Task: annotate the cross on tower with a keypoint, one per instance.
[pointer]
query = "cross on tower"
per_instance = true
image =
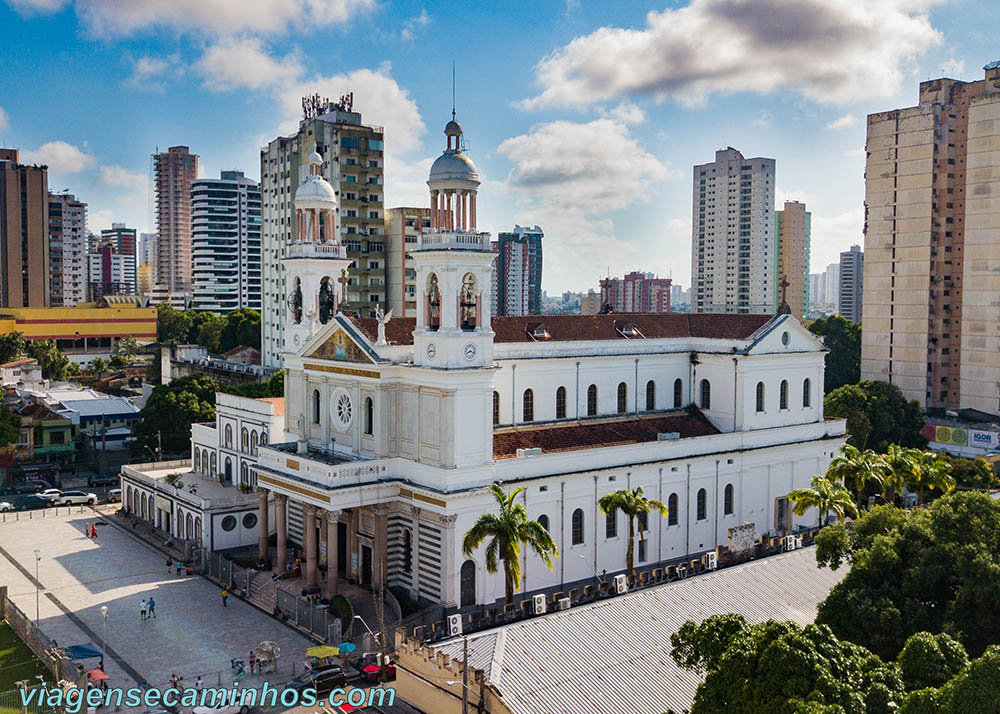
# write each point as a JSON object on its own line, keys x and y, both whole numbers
{"x": 784, "y": 308}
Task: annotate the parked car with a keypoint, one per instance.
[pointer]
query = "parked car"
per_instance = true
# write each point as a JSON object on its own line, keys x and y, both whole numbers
{"x": 30, "y": 503}
{"x": 52, "y": 495}
{"x": 75, "y": 498}
{"x": 115, "y": 495}
{"x": 323, "y": 681}
{"x": 6, "y": 506}
{"x": 223, "y": 708}
{"x": 95, "y": 480}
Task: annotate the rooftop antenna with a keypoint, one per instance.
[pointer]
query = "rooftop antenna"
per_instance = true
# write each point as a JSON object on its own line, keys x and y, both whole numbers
{"x": 453, "y": 90}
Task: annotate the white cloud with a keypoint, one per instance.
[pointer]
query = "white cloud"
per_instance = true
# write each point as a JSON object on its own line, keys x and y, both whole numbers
{"x": 833, "y": 234}
{"x": 60, "y": 157}
{"x": 830, "y": 51}
{"x": 100, "y": 219}
{"x": 121, "y": 177}
{"x": 625, "y": 112}
{"x": 150, "y": 73}
{"x": 844, "y": 122}
{"x": 4, "y": 120}
{"x": 851, "y": 153}
{"x": 235, "y": 63}
{"x": 33, "y": 7}
{"x": 763, "y": 118}
{"x": 953, "y": 68}
{"x": 407, "y": 184}
{"x": 412, "y": 26}
{"x": 216, "y": 17}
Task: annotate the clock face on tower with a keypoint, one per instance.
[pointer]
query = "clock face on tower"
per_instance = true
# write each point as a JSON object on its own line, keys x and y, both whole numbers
{"x": 431, "y": 351}
{"x": 470, "y": 352}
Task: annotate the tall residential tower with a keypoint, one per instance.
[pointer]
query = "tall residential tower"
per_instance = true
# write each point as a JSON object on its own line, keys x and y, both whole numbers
{"x": 24, "y": 233}
{"x": 173, "y": 172}
{"x": 67, "y": 250}
{"x": 792, "y": 228}
{"x": 517, "y": 275}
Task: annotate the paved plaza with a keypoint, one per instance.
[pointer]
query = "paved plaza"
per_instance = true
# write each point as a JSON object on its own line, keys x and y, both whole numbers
{"x": 192, "y": 634}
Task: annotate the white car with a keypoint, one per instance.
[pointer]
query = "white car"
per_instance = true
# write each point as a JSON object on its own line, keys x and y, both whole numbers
{"x": 52, "y": 495}
{"x": 115, "y": 495}
{"x": 74, "y": 498}
{"x": 4, "y": 506}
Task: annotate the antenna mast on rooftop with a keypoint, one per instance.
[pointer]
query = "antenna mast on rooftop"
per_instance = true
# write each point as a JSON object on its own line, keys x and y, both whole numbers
{"x": 453, "y": 90}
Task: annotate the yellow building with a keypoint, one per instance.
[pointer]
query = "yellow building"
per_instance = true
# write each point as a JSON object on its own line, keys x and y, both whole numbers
{"x": 87, "y": 330}
{"x": 145, "y": 279}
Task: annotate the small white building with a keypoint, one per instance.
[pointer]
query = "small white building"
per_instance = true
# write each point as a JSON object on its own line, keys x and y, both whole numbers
{"x": 22, "y": 371}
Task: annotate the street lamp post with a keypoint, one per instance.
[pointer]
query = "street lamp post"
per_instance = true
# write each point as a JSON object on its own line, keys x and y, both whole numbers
{"x": 597, "y": 577}
{"x": 37, "y": 585}
{"x": 104, "y": 635}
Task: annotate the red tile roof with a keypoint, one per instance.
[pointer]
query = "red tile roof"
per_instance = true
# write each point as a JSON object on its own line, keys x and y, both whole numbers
{"x": 18, "y": 362}
{"x": 590, "y": 327}
{"x": 595, "y": 433}
{"x": 278, "y": 402}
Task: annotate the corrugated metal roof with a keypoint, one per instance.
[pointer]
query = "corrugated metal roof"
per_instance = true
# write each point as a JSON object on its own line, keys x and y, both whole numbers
{"x": 613, "y": 656}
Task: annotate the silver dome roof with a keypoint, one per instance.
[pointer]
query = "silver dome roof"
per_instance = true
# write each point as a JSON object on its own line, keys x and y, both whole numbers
{"x": 453, "y": 165}
{"x": 316, "y": 188}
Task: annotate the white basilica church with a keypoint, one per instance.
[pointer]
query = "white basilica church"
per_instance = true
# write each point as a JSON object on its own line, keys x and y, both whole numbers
{"x": 398, "y": 425}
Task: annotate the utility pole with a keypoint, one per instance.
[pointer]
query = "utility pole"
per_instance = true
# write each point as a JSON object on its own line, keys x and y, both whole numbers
{"x": 465, "y": 673}
{"x": 159, "y": 445}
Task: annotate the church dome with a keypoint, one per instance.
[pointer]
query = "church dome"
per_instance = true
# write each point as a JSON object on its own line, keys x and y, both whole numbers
{"x": 453, "y": 166}
{"x": 452, "y": 127}
{"x": 315, "y": 189}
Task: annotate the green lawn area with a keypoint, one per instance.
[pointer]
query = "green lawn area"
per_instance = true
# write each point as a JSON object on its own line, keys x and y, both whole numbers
{"x": 17, "y": 662}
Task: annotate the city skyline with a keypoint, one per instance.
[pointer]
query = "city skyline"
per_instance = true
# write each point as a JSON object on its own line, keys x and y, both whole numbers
{"x": 226, "y": 83}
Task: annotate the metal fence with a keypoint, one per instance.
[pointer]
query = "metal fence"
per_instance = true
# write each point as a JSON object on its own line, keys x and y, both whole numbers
{"x": 15, "y": 516}
{"x": 315, "y": 618}
{"x": 11, "y": 701}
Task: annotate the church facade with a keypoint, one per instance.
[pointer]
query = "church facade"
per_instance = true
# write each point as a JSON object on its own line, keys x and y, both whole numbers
{"x": 398, "y": 426}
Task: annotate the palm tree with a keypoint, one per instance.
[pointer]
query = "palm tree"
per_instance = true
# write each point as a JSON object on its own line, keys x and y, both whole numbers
{"x": 901, "y": 468}
{"x": 826, "y": 496}
{"x": 507, "y": 530}
{"x": 98, "y": 366}
{"x": 933, "y": 471}
{"x": 634, "y": 505}
{"x": 857, "y": 468}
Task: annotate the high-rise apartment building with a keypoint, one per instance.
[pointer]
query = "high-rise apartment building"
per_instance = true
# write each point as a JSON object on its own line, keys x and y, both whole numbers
{"x": 111, "y": 272}
{"x": 352, "y": 162}
{"x": 173, "y": 172}
{"x": 225, "y": 243}
{"x": 124, "y": 240}
{"x": 932, "y": 245}
{"x": 517, "y": 272}
{"x": 590, "y": 303}
{"x": 67, "y": 250}
{"x": 792, "y": 227}
{"x": 402, "y": 230}
{"x": 636, "y": 292}
{"x": 732, "y": 240}
{"x": 144, "y": 283}
{"x": 851, "y": 282}
{"x": 831, "y": 285}
{"x": 24, "y": 233}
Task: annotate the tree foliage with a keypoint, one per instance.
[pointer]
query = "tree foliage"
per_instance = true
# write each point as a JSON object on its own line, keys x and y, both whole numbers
{"x": 972, "y": 473}
{"x": 10, "y": 426}
{"x": 54, "y": 364}
{"x": 934, "y": 569}
{"x": 216, "y": 333}
{"x": 928, "y": 660}
{"x": 827, "y": 496}
{"x": 172, "y": 326}
{"x": 273, "y": 387}
{"x": 173, "y": 408}
{"x": 877, "y": 415}
{"x": 12, "y": 346}
{"x": 634, "y": 505}
{"x": 843, "y": 362}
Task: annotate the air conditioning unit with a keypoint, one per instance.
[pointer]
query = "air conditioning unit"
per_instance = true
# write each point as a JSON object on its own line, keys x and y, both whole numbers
{"x": 538, "y": 604}
{"x": 562, "y": 603}
{"x": 791, "y": 542}
{"x": 798, "y": 541}
{"x": 534, "y": 451}
{"x": 620, "y": 584}
{"x": 682, "y": 571}
{"x": 454, "y": 625}
{"x": 711, "y": 561}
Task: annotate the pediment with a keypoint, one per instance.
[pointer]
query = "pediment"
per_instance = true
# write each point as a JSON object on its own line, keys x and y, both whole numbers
{"x": 339, "y": 346}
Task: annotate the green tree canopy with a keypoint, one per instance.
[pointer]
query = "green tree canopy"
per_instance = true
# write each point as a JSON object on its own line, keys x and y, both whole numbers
{"x": 934, "y": 569}
{"x": 10, "y": 426}
{"x": 972, "y": 473}
{"x": 12, "y": 346}
{"x": 843, "y": 362}
{"x": 173, "y": 408}
{"x": 54, "y": 364}
{"x": 928, "y": 660}
{"x": 877, "y": 415}
{"x": 273, "y": 387}
{"x": 172, "y": 326}
{"x": 242, "y": 328}
{"x": 634, "y": 505}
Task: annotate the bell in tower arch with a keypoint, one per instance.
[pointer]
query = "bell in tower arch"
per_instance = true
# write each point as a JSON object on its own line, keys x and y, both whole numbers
{"x": 327, "y": 301}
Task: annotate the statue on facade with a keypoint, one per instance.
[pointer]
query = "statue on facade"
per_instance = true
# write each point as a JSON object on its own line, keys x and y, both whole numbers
{"x": 383, "y": 318}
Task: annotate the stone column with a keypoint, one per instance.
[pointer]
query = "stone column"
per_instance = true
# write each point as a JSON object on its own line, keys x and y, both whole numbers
{"x": 309, "y": 536}
{"x": 262, "y": 525}
{"x": 380, "y": 556}
{"x": 281, "y": 528}
{"x": 472, "y": 212}
{"x": 434, "y": 213}
{"x": 332, "y": 519}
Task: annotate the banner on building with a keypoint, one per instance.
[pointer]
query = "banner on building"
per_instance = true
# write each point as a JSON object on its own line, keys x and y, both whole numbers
{"x": 984, "y": 439}
{"x": 951, "y": 435}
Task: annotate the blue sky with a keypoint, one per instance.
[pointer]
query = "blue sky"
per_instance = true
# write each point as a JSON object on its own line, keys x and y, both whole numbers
{"x": 582, "y": 117}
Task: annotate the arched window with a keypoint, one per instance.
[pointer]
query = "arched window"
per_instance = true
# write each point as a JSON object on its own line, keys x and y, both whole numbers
{"x": 760, "y": 397}
{"x": 806, "y": 393}
{"x": 189, "y": 526}
{"x": 543, "y": 521}
{"x": 369, "y": 416}
{"x": 229, "y": 436}
{"x": 650, "y": 395}
{"x": 592, "y": 400}
{"x": 295, "y": 301}
{"x": 433, "y": 303}
{"x": 214, "y": 471}
{"x": 622, "y": 398}
{"x": 197, "y": 528}
{"x": 496, "y": 408}
{"x": 727, "y": 500}
{"x": 783, "y": 395}
{"x": 678, "y": 393}
{"x": 263, "y": 438}
{"x": 528, "y": 406}
{"x": 245, "y": 440}
{"x": 577, "y": 522}
{"x": 468, "y": 303}
{"x": 702, "y": 504}
{"x": 197, "y": 460}
{"x": 254, "y": 440}
{"x": 229, "y": 469}
{"x": 611, "y": 523}
{"x": 316, "y": 407}
{"x": 706, "y": 394}
{"x": 561, "y": 403}
{"x": 672, "y": 510}
{"x": 244, "y": 475}
{"x": 468, "y": 583}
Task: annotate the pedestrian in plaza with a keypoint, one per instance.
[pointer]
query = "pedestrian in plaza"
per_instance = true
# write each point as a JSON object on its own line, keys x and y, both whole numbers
{"x": 253, "y": 661}
{"x": 152, "y": 607}
{"x": 170, "y": 565}
{"x": 173, "y": 681}
{"x": 93, "y": 530}
{"x": 225, "y": 596}
{"x": 143, "y": 610}
{"x": 178, "y": 568}
{"x": 197, "y": 682}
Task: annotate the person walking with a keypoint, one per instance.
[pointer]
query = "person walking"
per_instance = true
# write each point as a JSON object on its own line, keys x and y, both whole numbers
{"x": 225, "y": 596}
{"x": 253, "y": 661}
{"x": 152, "y": 607}
{"x": 170, "y": 565}
{"x": 93, "y": 530}
{"x": 197, "y": 683}
{"x": 143, "y": 610}
{"x": 178, "y": 568}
